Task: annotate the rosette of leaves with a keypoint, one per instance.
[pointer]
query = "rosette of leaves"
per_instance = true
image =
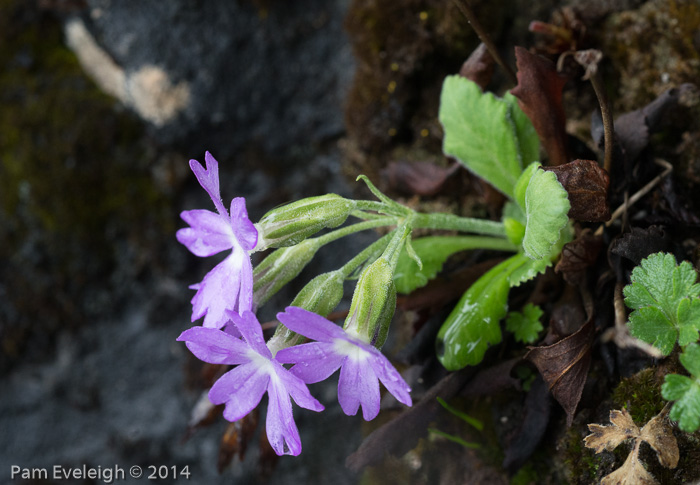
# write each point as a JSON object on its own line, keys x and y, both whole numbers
{"x": 495, "y": 140}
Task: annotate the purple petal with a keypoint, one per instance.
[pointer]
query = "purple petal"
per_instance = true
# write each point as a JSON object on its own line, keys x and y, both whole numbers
{"x": 209, "y": 179}
{"x": 245, "y": 295}
{"x": 296, "y": 388}
{"x": 241, "y": 389}
{"x": 247, "y": 323}
{"x": 245, "y": 231}
{"x": 310, "y": 325}
{"x": 358, "y": 385}
{"x": 209, "y": 233}
{"x": 214, "y": 346}
{"x": 315, "y": 361}
{"x": 390, "y": 377}
{"x": 282, "y": 432}
{"x": 220, "y": 291}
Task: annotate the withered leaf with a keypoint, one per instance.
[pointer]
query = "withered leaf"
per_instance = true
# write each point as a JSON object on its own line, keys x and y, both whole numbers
{"x": 421, "y": 178}
{"x": 479, "y": 66}
{"x": 640, "y": 243}
{"x": 587, "y": 185}
{"x": 632, "y": 472}
{"x": 633, "y": 128}
{"x": 564, "y": 367}
{"x": 608, "y": 437}
{"x": 578, "y": 255}
{"x": 234, "y": 441}
{"x": 657, "y": 432}
{"x": 539, "y": 93}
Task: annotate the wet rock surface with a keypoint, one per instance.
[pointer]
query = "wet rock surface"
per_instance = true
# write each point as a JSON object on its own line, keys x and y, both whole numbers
{"x": 93, "y": 299}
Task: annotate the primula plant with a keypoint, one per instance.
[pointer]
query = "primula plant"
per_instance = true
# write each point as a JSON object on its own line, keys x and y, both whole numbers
{"x": 541, "y": 291}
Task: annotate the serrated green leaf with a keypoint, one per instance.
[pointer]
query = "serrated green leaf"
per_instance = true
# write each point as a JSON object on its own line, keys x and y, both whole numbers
{"x": 481, "y": 133}
{"x": 473, "y": 324}
{"x": 664, "y": 296}
{"x": 525, "y": 325}
{"x": 651, "y": 325}
{"x": 546, "y": 209}
{"x": 514, "y": 222}
{"x": 685, "y": 391}
{"x": 433, "y": 251}
{"x": 528, "y": 141}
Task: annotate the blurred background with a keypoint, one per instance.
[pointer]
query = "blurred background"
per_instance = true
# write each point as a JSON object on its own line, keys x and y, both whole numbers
{"x": 102, "y": 104}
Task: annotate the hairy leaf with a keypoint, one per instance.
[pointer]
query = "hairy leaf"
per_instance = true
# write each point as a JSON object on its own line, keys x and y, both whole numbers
{"x": 433, "y": 251}
{"x": 481, "y": 133}
{"x": 525, "y": 325}
{"x": 546, "y": 208}
{"x": 685, "y": 391}
{"x": 664, "y": 297}
{"x": 473, "y": 324}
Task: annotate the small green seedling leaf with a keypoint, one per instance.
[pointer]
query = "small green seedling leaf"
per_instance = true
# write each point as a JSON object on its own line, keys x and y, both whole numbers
{"x": 463, "y": 416}
{"x": 455, "y": 439}
{"x": 664, "y": 298}
{"x": 546, "y": 206}
{"x": 685, "y": 391}
{"x": 483, "y": 132}
{"x": 433, "y": 251}
{"x": 525, "y": 326}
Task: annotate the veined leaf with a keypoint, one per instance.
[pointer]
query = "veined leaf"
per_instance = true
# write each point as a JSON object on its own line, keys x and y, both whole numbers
{"x": 433, "y": 251}
{"x": 664, "y": 298}
{"x": 481, "y": 131}
{"x": 546, "y": 207}
{"x": 528, "y": 141}
{"x": 473, "y": 324}
{"x": 685, "y": 391}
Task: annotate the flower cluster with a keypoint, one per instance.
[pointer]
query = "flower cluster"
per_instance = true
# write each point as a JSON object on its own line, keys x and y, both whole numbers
{"x": 231, "y": 334}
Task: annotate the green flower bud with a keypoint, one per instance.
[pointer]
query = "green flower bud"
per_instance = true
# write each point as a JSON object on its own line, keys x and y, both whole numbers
{"x": 294, "y": 222}
{"x": 373, "y": 303}
{"x": 279, "y": 268}
{"x": 320, "y": 295}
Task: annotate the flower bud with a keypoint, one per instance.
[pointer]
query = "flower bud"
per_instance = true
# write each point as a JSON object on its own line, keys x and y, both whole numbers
{"x": 279, "y": 268}
{"x": 294, "y": 222}
{"x": 320, "y": 295}
{"x": 373, "y": 303}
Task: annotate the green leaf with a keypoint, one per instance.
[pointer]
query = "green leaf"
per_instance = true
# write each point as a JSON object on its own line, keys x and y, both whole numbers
{"x": 473, "y": 324}
{"x": 481, "y": 131}
{"x": 664, "y": 298}
{"x": 528, "y": 141}
{"x": 685, "y": 391}
{"x": 433, "y": 251}
{"x": 546, "y": 209}
{"x": 514, "y": 222}
{"x": 525, "y": 326}
{"x": 455, "y": 439}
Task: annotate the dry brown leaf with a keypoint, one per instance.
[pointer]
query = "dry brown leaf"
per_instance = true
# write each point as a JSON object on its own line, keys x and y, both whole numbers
{"x": 632, "y": 472}
{"x": 608, "y": 437}
{"x": 587, "y": 184}
{"x": 657, "y": 432}
{"x": 479, "y": 66}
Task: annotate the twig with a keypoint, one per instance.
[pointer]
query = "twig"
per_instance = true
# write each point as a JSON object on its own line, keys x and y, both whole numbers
{"x": 620, "y": 333}
{"x": 466, "y": 9}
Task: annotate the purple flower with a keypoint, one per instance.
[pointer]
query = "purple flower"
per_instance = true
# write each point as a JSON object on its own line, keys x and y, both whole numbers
{"x": 257, "y": 372}
{"x": 361, "y": 365}
{"x": 229, "y": 286}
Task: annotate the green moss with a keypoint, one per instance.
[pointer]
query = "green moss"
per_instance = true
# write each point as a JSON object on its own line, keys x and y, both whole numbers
{"x": 640, "y": 395}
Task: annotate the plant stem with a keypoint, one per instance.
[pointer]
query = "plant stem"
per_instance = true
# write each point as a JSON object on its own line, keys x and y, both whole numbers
{"x": 360, "y": 226}
{"x": 466, "y": 9}
{"x": 606, "y": 114}
{"x": 373, "y": 251}
{"x": 452, "y": 222}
